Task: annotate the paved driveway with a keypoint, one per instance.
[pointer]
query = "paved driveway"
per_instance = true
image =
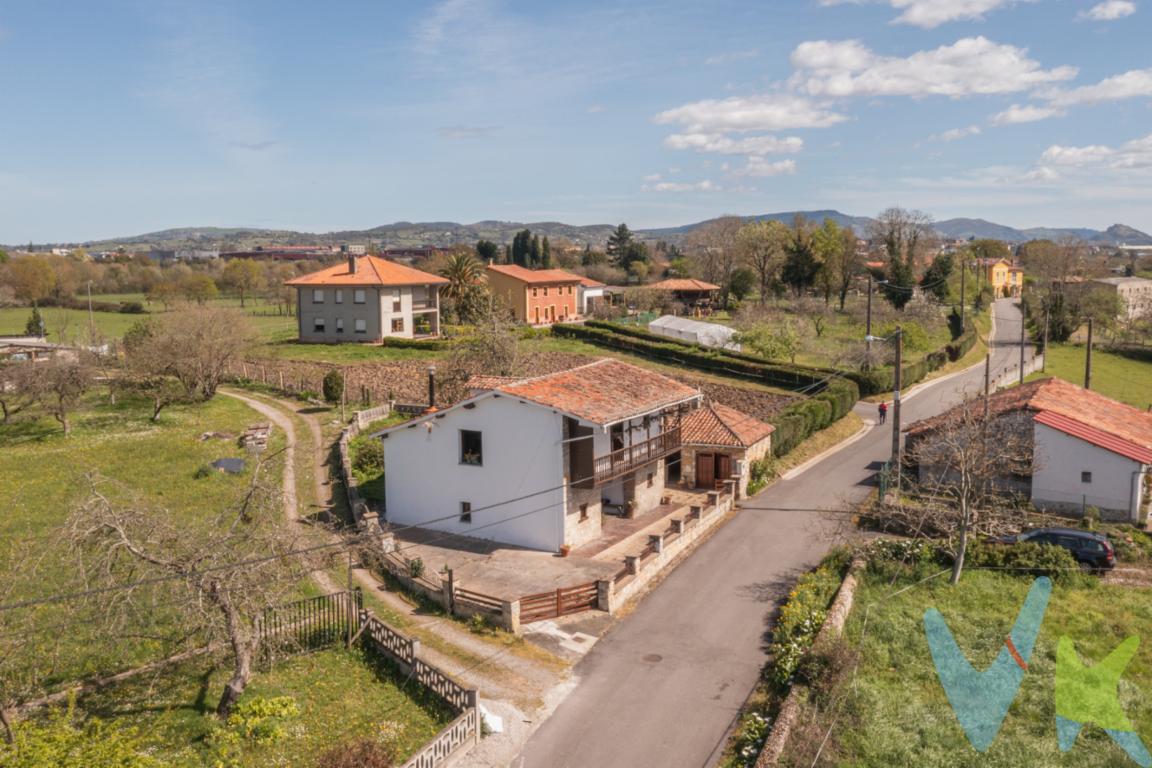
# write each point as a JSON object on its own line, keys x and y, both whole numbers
{"x": 663, "y": 687}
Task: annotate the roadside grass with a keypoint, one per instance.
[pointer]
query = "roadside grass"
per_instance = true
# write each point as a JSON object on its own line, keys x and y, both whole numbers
{"x": 818, "y": 443}
{"x": 1120, "y": 378}
{"x": 342, "y": 696}
{"x": 895, "y": 711}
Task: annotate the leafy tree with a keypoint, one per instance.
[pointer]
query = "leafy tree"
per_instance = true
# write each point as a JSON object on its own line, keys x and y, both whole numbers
{"x": 800, "y": 264}
{"x": 762, "y": 248}
{"x": 487, "y": 251}
{"x": 907, "y": 239}
{"x": 935, "y": 278}
{"x": 715, "y": 252}
{"x": 60, "y": 384}
{"x": 897, "y": 288}
{"x": 32, "y": 279}
{"x": 244, "y": 276}
{"x": 165, "y": 291}
{"x": 678, "y": 267}
{"x": 521, "y": 248}
{"x": 465, "y": 295}
{"x": 639, "y": 270}
{"x": 18, "y": 388}
{"x": 835, "y": 248}
{"x": 773, "y": 342}
{"x": 591, "y": 258}
{"x": 636, "y": 252}
{"x": 333, "y": 386}
{"x": 199, "y": 287}
{"x": 741, "y": 283}
{"x": 35, "y": 325}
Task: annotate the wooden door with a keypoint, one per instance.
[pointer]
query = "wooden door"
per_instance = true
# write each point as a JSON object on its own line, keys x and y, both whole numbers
{"x": 723, "y": 467}
{"x": 705, "y": 470}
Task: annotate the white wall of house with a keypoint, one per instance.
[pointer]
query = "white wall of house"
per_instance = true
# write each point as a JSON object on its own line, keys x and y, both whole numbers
{"x": 425, "y": 478}
{"x": 1058, "y": 483}
{"x": 589, "y": 296}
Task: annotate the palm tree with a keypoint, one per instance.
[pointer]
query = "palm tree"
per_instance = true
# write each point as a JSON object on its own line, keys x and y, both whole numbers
{"x": 463, "y": 271}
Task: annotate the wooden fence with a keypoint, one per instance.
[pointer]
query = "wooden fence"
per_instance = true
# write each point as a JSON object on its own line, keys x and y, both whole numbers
{"x": 560, "y": 602}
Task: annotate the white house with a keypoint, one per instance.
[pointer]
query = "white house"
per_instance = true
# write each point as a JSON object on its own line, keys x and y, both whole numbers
{"x": 533, "y": 462}
{"x": 1087, "y": 449}
{"x": 591, "y": 294}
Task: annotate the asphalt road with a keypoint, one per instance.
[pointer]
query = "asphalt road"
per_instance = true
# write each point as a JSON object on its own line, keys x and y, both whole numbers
{"x": 665, "y": 685}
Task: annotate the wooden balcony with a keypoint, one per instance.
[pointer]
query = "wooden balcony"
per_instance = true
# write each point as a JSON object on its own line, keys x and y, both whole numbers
{"x": 619, "y": 463}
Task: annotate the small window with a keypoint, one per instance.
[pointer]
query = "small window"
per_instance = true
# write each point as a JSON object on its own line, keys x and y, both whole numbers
{"x": 397, "y": 325}
{"x": 466, "y": 512}
{"x": 545, "y": 290}
{"x": 318, "y": 325}
{"x": 534, "y": 290}
{"x": 471, "y": 448}
{"x": 317, "y": 296}
{"x": 339, "y": 296}
{"x": 339, "y": 325}
{"x": 358, "y": 296}
{"x": 361, "y": 326}
{"x": 1085, "y": 477}
{"x": 583, "y": 512}
{"x": 569, "y": 290}
{"x": 650, "y": 477}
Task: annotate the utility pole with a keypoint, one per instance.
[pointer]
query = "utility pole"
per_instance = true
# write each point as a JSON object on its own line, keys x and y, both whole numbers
{"x": 1044, "y": 359}
{"x": 91, "y": 321}
{"x": 963, "y": 279}
{"x": 1023, "y": 329}
{"x": 1088, "y": 359}
{"x": 868, "y": 323}
{"x": 897, "y": 376}
{"x": 987, "y": 382}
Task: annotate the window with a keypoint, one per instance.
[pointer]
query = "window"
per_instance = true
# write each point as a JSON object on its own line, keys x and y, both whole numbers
{"x": 397, "y": 325}
{"x": 466, "y": 512}
{"x": 650, "y": 476}
{"x": 471, "y": 448}
{"x": 534, "y": 291}
{"x": 317, "y": 296}
{"x": 395, "y": 299}
{"x": 1085, "y": 477}
{"x": 545, "y": 290}
{"x": 358, "y": 296}
{"x": 339, "y": 325}
{"x": 361, "y": 326}
{"x": 339, "y": 296}
{"x": 569, "y": 290}
{"x": 583, "y": 512}
{"x": 318, "y": 325}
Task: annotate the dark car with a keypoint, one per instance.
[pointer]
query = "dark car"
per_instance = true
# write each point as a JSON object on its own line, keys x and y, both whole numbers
{"x": 1091, "y": 550}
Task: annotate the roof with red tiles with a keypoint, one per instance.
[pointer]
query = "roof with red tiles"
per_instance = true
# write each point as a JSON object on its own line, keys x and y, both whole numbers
{"x": 1098, "y": 415}
{"x": 603, "y": 392}
{"x": 370, "y": 270}
{"x": 717, "y": 424}
{"x": 1097, "y": 437}
{"x": 683, "y": 284}
{"x": 588, "y": 282}
{"x": 535, "y": 276}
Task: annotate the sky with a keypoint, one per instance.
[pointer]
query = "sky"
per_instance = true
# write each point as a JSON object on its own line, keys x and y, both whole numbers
{"x": 128, "y": 116}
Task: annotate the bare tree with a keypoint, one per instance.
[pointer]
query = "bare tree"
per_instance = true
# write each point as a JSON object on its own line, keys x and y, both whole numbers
{"x": 762, "y": 246}
{"x": 906, "y": 235}
{"x": 968, "y": 464}
{"x": 60, "y": 384}
{"x": 221, "y": 576}
{"x": 714, "y": 249}
{"x": 18, "y": 390}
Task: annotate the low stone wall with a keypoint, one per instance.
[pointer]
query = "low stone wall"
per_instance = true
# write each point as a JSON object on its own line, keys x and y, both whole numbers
{"x": 364, "y": 517}
{"x": 831, "y": 628}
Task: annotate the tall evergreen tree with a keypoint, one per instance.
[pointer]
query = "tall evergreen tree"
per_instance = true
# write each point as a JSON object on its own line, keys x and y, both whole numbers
{"x": 534, "y": 252}
{"x": 521, "y": 248}
{"x": 545, "y": 254}
{"x": 508, "y": 254}
{"x": 618, "y": 243}
{"x": 487, "y": 251}
{"x": 35, "y": 324}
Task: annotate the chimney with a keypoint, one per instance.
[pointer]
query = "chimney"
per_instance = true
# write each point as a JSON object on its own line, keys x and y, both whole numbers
{"x": 431, "y": 389}
{"x": 351, "y": 263}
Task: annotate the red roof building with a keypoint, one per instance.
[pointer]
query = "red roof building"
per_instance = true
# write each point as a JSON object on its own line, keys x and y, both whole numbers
{"x": 536, "y": 296}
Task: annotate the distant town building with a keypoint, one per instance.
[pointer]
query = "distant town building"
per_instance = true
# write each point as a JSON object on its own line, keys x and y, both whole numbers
{"x": 408, "y": 255}
{"x": 196, "y": 254}
{"x": 1005, "y": 279}
{"x": 688, "y": 290}
{"x": 356, "y": 249}
{"x": 1134, "y": 292}
{"x": 367, "y": 299}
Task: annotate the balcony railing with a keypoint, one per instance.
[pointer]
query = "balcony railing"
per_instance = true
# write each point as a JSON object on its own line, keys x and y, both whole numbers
{"x": 420, "y": 304}
{"x": 626, "y": 460}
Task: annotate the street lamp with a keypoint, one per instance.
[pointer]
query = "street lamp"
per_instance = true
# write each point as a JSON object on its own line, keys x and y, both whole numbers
{"x": 897, "y": 379}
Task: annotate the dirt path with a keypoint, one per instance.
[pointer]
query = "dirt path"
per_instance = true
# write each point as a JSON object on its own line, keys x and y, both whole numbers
{"x": 511, "y": 683}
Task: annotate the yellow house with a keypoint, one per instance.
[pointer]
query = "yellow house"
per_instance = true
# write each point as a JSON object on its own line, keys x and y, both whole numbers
{"x": 1004, "y": 279}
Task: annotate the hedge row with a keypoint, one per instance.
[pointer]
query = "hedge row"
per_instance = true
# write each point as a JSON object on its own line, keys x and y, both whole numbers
{"x": 802, "y": 419}
{"x": 123, "y": 307}
{"x": 1142, "y": 354}
{"x": 428, "y": 344}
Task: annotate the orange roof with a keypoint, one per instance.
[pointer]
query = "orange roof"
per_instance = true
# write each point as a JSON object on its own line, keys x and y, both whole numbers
{"x": 370, "y": 270}
{"x": 684, "y": 284}
{"x": 717, "y": 424}
{"x": 1099, "y": 414}
{"x": 602, "y": 392}
{"x": 535, "y": 276}
{"x": 588, "y": 282}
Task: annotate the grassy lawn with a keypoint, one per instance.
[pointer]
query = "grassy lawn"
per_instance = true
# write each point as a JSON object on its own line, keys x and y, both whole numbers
{"x": 281, "y": 342}
{"x": 342, "y": 697}
{"x": 1121, "y": 378}
{"x": 67, "y": 325}
{"x": 895, "y": 710}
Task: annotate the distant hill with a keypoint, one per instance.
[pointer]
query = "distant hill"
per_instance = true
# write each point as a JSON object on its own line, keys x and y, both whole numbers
{"x": 406, "y": 234}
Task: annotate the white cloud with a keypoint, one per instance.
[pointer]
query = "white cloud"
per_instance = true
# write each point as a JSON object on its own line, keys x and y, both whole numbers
{"x": 724, "y": 58}
{"x": 956, "y": 134}
{"x": 707, "y": 185}
{"x": 1135, "y": 155}
{"x": 765, "y": 112}
{"x": 652, "y": 177}
{"x": 726, "y": 145}
{"x": 758, "y": 166}
{"x": 1132, "y": 84}
{"x": 596, "y": 109}
{"x": 929, "y": 14}
{"x": 1026, "y": 113}
{"x": 970, "y": 66}
{"x": 1109, "y": 10}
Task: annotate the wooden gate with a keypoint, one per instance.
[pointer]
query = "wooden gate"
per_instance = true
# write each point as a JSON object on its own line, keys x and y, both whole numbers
{"x": 561, "y": 602}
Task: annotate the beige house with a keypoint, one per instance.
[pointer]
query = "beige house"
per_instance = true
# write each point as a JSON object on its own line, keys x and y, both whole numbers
{"x": 720, "y": 443}
{"x": 1135, "y": 292}
{"x": 367, "y": 299}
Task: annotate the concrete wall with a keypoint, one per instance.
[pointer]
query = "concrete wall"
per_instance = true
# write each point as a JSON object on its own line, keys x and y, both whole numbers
{"x": 1057, "y": 484}
{"x": 424, "y": 478}
{"x": 329, "y": 310}
{"x": 577, "y": 531}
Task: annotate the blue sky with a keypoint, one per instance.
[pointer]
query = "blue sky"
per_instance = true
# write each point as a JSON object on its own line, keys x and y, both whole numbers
{"x": 126, "y": 117}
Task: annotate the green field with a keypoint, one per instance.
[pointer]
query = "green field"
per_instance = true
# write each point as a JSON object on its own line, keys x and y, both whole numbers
{"x": 895, "y": 711}
{"x": 341, "y": 696}
{"x": 1121, "y": 378}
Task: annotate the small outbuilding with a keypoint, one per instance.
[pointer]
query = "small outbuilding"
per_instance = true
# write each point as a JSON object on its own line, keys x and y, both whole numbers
{"x": 720, "y": 443}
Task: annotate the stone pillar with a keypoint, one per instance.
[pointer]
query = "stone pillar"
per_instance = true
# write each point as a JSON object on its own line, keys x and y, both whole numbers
{"x": 678, "y": 525}
{"x": 472, "y": 701}
{"x": 633, "y": 564}
{"x": 729, "y": 486}
{"x": 657, "y": 542}
{"x": 713, "y": 498}
{"x": 694, "y": 511}
{"x": 510, "y": 616}
{"x": 604, "y": 595}
{"x": 448, "y": 592}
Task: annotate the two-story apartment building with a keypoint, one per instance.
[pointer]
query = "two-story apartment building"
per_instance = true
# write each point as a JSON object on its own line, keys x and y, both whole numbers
{"x": 1005, "y": 280}
{"x": 536, "y": 296}
{"x": 367, "y": 299}
{"x": 533, "y": 462}
{"x": 1134, "y": 292}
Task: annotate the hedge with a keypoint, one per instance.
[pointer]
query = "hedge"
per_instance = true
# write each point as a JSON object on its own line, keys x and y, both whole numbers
{"x": 427, "y": 344}
{"x": 1142, "y": 354}
{"x": 802, "y": 419}
{"x": 124, "y": 307}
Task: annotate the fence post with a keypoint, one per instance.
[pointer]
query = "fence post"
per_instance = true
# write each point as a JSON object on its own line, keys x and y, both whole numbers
{"x": 448, "y": 595}
{"x": 472, "y": 702}
{"x": 604, "y": 595}
{"x": 633, "y": 564}
{"x": 678, "y": 525}
{"x": 694, "y": 511}
{"x": 510, "y": 616}
{"x": 713, "y": 498}
{"x": 656, "y": 540}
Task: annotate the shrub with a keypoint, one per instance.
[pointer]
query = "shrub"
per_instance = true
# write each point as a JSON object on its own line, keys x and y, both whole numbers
{"x": 800, "y": 619}
{"x": 131, "y": 308}
{"x": 365, "y": 753}
{"x": 262, "y": 719}
{"x": 759, "y": 472}
{"x": 333, "y": 386}
{"x": 415, "y": 567}
{"x": 60, "y": 741}
{"x": 202, "y": 472}
{"x": 1026, "y": 558}
{"x": 915, "y": 337}
{"x": 367, "y": 456}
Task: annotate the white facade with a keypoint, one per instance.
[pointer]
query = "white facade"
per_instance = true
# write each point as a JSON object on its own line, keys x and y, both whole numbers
{"x": 588, "y": 296}
{"x": 1071, "y": 475}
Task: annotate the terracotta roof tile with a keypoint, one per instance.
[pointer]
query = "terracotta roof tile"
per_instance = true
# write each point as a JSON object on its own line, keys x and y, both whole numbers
{"x": 370, "y": 270}
{"x": 717, "y": 424}
{"x": 603, "y": 392}
{"x": 535, "y": 276}
{"x": 683, "y": 284}
{"x": 484, "y": 381}
{"x": 588, "y": 282}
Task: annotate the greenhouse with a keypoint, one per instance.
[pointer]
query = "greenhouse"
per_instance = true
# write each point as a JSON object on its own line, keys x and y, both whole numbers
{"x": 686, "y": 329}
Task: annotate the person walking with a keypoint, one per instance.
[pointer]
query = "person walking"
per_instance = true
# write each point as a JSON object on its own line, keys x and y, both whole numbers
{"x": 883, "y": 412}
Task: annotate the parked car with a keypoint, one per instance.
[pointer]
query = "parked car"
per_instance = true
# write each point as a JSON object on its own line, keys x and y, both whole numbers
{"x": 1091, "y": 550}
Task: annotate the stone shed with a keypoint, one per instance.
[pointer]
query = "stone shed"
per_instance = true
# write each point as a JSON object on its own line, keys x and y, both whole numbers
{"x": 720, "y": 443}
